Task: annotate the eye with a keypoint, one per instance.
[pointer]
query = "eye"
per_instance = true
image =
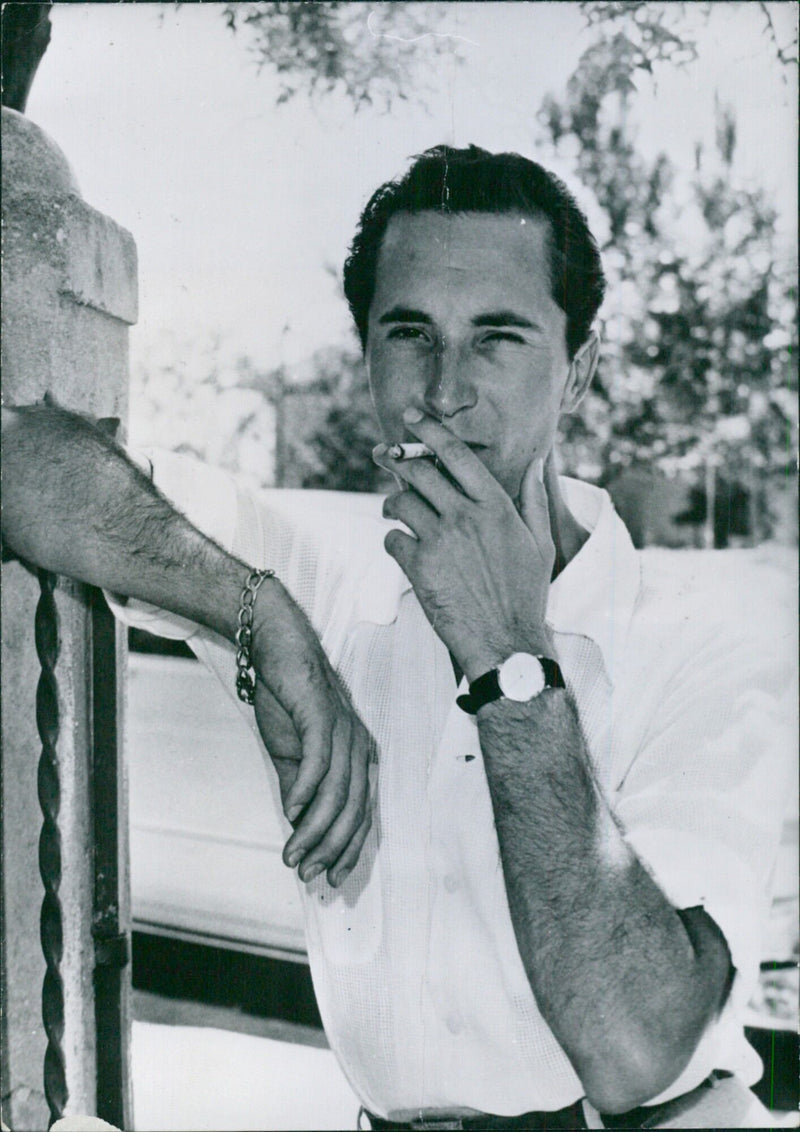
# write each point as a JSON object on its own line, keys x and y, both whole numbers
{"x": 493, "y": 337}
{"x": 408, "y": 334}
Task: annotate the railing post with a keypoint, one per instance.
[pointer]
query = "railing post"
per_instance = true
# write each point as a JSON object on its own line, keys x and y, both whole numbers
{"x": 69, "y": 296}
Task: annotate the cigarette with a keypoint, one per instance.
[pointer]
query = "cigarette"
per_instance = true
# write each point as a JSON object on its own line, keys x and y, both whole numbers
{"x": 409, "y": 451}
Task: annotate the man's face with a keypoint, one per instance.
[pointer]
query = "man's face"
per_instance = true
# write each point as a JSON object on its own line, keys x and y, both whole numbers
{"x": 463, "y": 326}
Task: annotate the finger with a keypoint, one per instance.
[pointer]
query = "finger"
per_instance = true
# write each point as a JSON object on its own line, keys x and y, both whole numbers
{"x": 315, "y": 731}
{"x": 533, "y": 501}
{"x": 402, "y": 548}
{"x": 428, "y": 480}
{"x": 534, "y": 507}
{"x": 349, "y": 858}
{"x": 331, "y": 847}
{"x": 329, "y": 800}
{"x": 280, "y": 739}
{"x": 286, "y": 769}
{"x": 463, "y": 464}
{"x": 412, "y": 510}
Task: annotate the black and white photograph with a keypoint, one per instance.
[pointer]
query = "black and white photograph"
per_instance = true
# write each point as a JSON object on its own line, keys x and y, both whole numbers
{"x": 400, "y": 570}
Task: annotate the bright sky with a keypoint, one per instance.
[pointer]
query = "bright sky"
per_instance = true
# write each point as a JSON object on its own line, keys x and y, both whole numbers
{"x": 237, "y": 206}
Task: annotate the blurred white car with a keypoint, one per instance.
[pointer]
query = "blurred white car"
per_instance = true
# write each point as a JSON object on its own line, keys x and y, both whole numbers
{"x": 206, "y": 830}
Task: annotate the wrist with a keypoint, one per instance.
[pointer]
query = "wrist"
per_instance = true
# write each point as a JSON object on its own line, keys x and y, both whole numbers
{"x": 538, "y": 642}
{"x": 272, "y": 597}
{"x": 246, "y": 663}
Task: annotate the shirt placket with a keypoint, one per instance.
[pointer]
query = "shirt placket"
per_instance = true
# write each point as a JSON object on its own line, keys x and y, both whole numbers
{"x": 456, "y": 782}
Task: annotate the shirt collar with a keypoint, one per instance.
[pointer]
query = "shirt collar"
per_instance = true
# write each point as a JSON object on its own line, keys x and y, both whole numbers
{"x": 594, "y": 595}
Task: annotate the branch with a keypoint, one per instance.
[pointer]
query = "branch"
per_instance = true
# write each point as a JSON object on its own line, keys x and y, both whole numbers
{"x": 785, "y": 58}
{"x": 366, "y": 52}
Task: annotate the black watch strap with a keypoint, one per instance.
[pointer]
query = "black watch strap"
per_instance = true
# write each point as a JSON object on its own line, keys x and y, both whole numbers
{"x": 486, "y": 688}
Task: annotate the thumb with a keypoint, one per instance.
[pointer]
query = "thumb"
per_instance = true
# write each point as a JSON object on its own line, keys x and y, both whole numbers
{"x": 533, "y": 504}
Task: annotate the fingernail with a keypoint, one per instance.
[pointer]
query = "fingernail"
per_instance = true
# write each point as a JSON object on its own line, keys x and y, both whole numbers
{"x": 294, "y": 813}
{"x": 293, "y": 858}
{"x": 379, "y": 450}
{"x": 412, "y": 415}
{"x": 314, "y": 871}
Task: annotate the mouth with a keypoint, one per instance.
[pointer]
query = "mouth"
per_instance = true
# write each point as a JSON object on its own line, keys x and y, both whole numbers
{"x": 473, "y": 445}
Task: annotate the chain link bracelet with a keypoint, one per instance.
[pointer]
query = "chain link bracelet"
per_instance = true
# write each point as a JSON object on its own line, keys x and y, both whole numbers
{"x": 245, "y": 672}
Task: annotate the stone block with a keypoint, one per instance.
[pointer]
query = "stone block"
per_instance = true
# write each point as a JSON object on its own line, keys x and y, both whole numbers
{"x": 68, "y": 268}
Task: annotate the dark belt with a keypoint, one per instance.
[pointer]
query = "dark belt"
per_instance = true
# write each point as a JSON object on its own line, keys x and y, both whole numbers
{"x": 563, "y": 1120}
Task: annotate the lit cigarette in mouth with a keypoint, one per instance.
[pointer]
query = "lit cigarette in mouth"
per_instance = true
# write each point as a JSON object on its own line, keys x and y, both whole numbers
{"x": 409, "y": 451}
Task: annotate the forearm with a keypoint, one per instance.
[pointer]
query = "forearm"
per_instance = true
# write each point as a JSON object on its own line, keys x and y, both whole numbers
{"x": 615, "y": 973}
{"x": 75, "y": 504}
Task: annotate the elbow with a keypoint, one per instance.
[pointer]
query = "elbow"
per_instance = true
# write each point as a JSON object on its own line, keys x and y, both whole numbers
{"x": 613, "y": 1097}
{"x": 620, "y": 1092}
{"x": 632, "y": 1073}
{"x": 641, "y": 1053}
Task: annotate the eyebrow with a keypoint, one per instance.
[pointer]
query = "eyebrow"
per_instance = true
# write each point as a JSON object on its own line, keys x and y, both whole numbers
{"x": 505, "y": 318}
{"x": 491, "y": 318}
{"x": 405, "y": 314}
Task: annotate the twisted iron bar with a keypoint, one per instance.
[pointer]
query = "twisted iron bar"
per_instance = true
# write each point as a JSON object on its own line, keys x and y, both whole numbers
{"x": 51, "y": 925}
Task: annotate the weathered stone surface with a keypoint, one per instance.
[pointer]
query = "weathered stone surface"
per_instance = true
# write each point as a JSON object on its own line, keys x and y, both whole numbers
{"x": 100, "y": 268}
{"x": 92, "y": 259}
{"x": 69, "y": 295}
{"x": 63, "y": 263}
{"x": 32, "y": 162}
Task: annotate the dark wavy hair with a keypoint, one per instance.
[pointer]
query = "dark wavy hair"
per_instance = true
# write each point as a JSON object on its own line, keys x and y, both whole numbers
{"x": 473, "y": 180}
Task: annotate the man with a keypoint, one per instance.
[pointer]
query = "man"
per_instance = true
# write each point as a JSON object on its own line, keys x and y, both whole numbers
{"x": 560, "y": 893}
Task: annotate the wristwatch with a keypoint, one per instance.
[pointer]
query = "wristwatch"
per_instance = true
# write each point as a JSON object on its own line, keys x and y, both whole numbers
{"x": 521, "y": 678}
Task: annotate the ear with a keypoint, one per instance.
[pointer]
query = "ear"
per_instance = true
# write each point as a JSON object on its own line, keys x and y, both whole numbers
{"x": 581, "y": 372}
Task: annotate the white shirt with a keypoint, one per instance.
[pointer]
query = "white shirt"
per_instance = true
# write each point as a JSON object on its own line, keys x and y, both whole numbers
{"x": 415, "y": 965}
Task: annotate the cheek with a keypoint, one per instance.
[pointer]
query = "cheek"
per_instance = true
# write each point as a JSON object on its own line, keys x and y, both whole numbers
{"x": 540, "y": 392}
{"x": 526, "y": 412}
{"x": 389, "y": 401}
{"x": 526, "y": 398}
{"x": 394, "y": 383}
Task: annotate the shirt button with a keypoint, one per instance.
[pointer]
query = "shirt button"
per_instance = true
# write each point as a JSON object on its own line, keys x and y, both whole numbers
{"x": 455, "y": 1023}
{"x": 451, "y": 882}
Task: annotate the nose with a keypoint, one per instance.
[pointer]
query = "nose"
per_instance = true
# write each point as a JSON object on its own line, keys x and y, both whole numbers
{"x": 450, "y": 387}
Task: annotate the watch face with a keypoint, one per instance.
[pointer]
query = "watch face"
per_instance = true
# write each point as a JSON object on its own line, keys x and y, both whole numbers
{"x": 521, "y": 677}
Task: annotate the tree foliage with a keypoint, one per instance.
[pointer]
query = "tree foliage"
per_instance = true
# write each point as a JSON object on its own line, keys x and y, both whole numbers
{"x": 332, "y": 448}
{"x": 700, "y": 326}
{"x": 369, "y": 53}
{"x": 645, "y": 33}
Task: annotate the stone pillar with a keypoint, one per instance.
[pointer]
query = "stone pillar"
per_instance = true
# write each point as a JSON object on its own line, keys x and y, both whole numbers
{"x": 69, "y": 296}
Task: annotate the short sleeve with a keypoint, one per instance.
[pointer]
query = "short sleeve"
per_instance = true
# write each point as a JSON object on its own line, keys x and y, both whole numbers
{"x": 703, "y": 802}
